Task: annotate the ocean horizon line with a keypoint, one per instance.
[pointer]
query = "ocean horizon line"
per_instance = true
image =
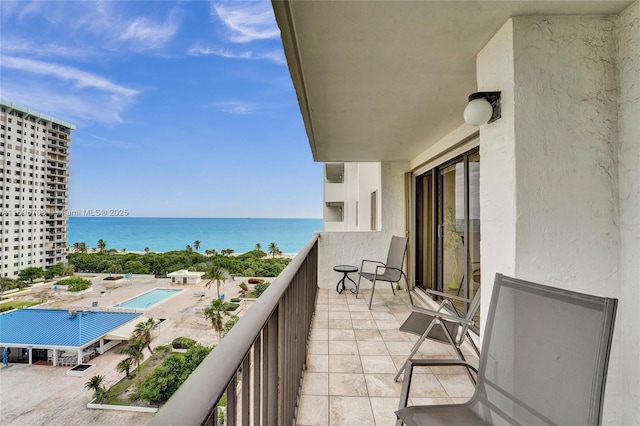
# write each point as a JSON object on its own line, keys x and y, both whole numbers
{"x": 194, "y": 217}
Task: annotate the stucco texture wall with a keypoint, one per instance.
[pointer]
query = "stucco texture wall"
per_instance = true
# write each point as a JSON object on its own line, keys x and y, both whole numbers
{"x": 566, "y": 152}
{"x": 498, "y": 214}
{"x": 628, "y": 66}
{"x": 561, "y": 170}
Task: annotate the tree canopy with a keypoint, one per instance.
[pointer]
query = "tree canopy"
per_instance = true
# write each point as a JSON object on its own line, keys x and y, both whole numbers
{"x": 252, "y": 263}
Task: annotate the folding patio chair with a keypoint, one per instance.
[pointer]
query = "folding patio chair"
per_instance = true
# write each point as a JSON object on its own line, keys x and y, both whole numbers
{"x": 390, "y": 271}
{"x": 543, "y": 361}
{"x": 443, "y": 325}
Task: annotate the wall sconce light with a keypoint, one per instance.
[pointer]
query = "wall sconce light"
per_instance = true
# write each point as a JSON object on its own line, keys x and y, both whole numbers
{"x": 483, "y": 108}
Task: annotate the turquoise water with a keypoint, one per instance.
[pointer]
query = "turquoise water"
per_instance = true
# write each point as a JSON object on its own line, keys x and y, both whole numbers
{"x": 166, "y": 234}
{"x": 148, "y": 299}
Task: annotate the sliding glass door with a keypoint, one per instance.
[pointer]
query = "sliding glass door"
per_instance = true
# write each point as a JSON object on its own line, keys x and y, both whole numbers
{"x": 448, "y": 228}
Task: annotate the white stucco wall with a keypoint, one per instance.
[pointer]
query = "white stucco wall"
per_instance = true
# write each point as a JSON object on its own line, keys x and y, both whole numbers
{"x": 628, "y": 64}
{"x": 337, "y": 248}
{"x": 559, "y": 202}
{"x": 369, "y": 180}
{"x": 566, "y": 152}
{"x": 498, "y": 214}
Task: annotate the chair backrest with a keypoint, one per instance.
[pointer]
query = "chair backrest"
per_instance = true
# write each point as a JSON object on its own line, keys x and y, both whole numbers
{"x": 395, "y": 257}
{"x": 544, "y": 355}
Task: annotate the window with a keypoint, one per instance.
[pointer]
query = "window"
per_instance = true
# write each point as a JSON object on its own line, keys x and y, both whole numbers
{"x": 374, "y": 210}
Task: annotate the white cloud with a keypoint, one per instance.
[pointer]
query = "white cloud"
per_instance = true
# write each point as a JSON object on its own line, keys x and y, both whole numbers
{"x": 225, "y": 53}
{"x": 72, "y": 93}
{"x": 147, "y": 34}
{"x": 236, "y": 107}
{"x": 22, "y": 46}
{"x": 79, "y": 78}
{"x": 247, "y": 21}
{"x": 276, "y": 56}
{"x": 73, "y": 107}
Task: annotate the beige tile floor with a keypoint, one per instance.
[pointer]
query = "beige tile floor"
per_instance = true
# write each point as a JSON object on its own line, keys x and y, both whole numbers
{"x": 353, "y": 356}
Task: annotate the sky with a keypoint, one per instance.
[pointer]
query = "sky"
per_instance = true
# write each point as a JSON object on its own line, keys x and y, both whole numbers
{"x": 183, "y": 109}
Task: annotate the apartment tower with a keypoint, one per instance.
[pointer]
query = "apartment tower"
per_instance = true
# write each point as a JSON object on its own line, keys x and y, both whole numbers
{"x": 34, "y": 183}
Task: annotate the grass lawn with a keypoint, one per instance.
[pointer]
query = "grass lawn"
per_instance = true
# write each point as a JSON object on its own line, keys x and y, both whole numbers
{"x": 16, "y": 304}
{"x": 129, "y": 385}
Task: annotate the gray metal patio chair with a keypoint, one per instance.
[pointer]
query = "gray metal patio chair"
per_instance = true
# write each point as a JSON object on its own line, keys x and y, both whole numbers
{"x": 443, "y": 325}
{"x": 390, "y": 271}
{"x": 543, "y": 361}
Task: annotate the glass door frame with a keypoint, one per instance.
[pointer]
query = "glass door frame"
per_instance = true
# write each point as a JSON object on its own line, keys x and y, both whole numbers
{"x": 437, "y": 217}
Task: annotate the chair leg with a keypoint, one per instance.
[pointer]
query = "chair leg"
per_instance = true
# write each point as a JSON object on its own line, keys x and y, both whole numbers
{"x": 406, "y": 387}
{"x": 461, "y": 355}
{"x": 358, "y": 285}
{"x": 415, "y": 348}
{"x": 392, "y": 289}
{"x": 373, "y": 287}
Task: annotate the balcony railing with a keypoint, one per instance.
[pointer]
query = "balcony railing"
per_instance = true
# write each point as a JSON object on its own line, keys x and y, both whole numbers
{"x": 259, "y": 364}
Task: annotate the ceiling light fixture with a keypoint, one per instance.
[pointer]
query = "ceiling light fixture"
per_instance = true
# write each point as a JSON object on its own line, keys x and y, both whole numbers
{"x": 483, "y": 108}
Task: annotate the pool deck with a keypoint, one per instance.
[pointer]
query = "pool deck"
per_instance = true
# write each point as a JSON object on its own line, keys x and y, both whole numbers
{"x": 37, "y": 394}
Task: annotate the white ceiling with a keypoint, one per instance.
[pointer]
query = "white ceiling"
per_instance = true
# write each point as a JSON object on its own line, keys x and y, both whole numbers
{"x": 384, "y": 80}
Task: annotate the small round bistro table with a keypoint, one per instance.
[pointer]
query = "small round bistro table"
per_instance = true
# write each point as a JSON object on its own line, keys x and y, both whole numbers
{"x": 346, "y": 270}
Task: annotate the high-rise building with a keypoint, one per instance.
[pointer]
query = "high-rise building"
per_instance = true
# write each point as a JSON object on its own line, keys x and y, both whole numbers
{"x": 34, "y": 181}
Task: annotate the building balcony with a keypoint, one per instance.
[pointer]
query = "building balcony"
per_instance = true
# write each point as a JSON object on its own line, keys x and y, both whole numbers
{"x": 306, "y": 356}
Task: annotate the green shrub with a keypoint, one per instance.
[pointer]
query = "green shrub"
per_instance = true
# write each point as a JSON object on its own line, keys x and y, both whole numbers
{"x": 75, "y": 283}
{"x": 231, "y": 306}
{"x": 260, "y": 288}
{"x": 183, "y": 343}
{"x": 235, "y": 300}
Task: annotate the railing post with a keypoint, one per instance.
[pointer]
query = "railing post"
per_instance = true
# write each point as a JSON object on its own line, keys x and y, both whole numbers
{"x": 271, "y": 370}
{"x": 257, "y": 369}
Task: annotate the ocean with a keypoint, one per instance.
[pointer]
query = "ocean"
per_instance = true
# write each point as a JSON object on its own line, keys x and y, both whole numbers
{"x": 166, "y": 234}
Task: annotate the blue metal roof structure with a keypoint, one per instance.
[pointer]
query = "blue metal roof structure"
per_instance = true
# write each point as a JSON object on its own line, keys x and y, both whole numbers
{"x": 54, "y": 327}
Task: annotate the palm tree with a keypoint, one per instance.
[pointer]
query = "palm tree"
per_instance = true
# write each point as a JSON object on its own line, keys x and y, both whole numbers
{"x": 216, "y": 274}
{"x": 258, "y": 246}
{"x": 196, "y": 245}
{"x": 143, "y": 332}
{"x": 95, "y": 384}
{"x": 188, "y": 248}
{"x": 102, "y": 245}
{"x": 243, "y": 289}
{"x": 216, "y": 313}
{"x": 146, "y": 249}
{"x": 124, "y": 250}
{"x": 124, "y": 366}
{"x": 82, "y": 247}
{"x": 134, "y": 352}
{"x": 273, "y": 249}
{"x": 76, "y": 247}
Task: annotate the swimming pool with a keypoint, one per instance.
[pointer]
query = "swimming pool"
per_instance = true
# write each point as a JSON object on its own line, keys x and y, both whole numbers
{"x": 148, "y": 299}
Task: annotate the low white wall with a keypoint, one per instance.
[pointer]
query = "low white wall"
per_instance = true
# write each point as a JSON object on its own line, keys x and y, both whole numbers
{"x": 121, "y": 407}
{"x": 106, "y": 346}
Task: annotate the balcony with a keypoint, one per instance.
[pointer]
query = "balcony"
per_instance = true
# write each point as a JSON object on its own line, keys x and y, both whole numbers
{"x": 311, "y": 356}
